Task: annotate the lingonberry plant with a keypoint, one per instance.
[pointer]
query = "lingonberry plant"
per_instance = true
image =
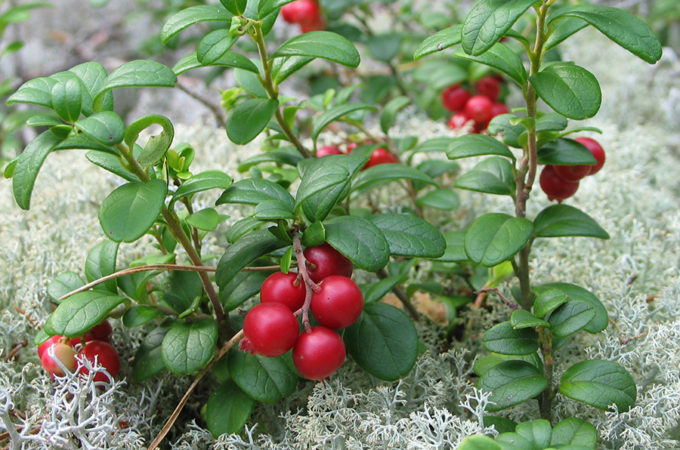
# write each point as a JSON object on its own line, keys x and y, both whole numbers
{"x": 522, "y": 355}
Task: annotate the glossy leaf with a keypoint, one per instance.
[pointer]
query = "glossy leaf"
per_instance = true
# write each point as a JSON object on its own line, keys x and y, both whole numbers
{"x": 548, "y": 301}
{"x": 320, "y": 176}
{"x": 619, "y": 25}
{"x": 575, "y": 432}
{"x": 562, "y": 29}
{"x": 188, "y": 346}
{"x": 444, "y": 199}
{"x": 439, "y": 41}
{"x": 228, "y": 409}
{"x": 80, "y": 312}
{"x": 273, "y": 210}
{"x": 204, "y": 181}
{"x": 242, "y": 287}
{"x": 64, "y": 283}
{"x": 493, "y": 176}
{"x": 385, "y": 173}
{"x": 599, "y": 383}
{"x": 476, "y": 145}
{"x": 568, "y": 89}
{"x": 139, "y": 73}
{"x": 577, "y": 293}
{"x": 130, "y": 210}
{"x": 284, "y": 155}
{"x": 521, "y": 318}
{"x": 455, "y": 247}
{"x": 139, "y": 315}
{"x": 148, "y": 361}
{"x": 111, "y": 163}
{"x": 565, "y": 152}
{"x": 101, "y": 261}
{"x": 486, "y": 363}
{"x": 495, "y": 237}
{"x": 249, "y": 118}
{"x": 359, "y": 240}
{"x": 206, "y": 219}
{"x": 37, "y": 91}
{"x": 488, "y": 21}
{"x": 214, "y": 46}
{"x": 243, "y": 252}
{"x": 28, "y": 164}
{"x": 229, "y": 59}
{"x": 67, "y": 99}
{"x": 409, "y": 235}
{"x": 570, "y": 317}
{"x": 192, "y": 15}
{"x": 390, "y": 111}
{"x": 252, "y": 191}
{"x": 565, "y": 220}
{"x": 501, "y": 58}
{"x": 320, "y": 44}
{"x": 383, "y": 341}
{"x": 335, "y": 113}
{"x": 106, "y": 127}
{"x": 503, "y": 339}
{"x": 267, "y": 380}
{"x": 479, "y": 442}
{"x": 438, "y": 144}
{"x": 512, "y": 383}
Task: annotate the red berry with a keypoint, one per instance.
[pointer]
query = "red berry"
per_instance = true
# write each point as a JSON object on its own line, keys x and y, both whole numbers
{"x": 270, "y": 329}
{"x": 327, "y": 150}
{"x": 48, "y": 343}
{"x": 498, "y": 108}
{"x": 381, "y": 156}
{"x": 555, "y": 187}
{"x": 338, "y": 303}
{"x": 100, "y": 332}
{"x": 454, "y": 98}
{"x": 326, "y": 261}
{"x": 597, "y": 151}
{"x": 283, "y": 288}
{"x": 106, "y": 356}
{"x": 300, "y": 11}
{"x": 351, "y": 146}
{"x": 488, "y": 87}
{"x": 314, "y": 25}
{"x": 458, "y": 120}
{"x": 572, "y": 173}
{"x": 479, "y": 108}
{"x": 62, "y": 352}
{"x": 318, "y": 353}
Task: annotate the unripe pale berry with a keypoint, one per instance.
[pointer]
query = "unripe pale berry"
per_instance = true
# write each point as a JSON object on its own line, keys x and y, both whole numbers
{"x": 62, "y": 352}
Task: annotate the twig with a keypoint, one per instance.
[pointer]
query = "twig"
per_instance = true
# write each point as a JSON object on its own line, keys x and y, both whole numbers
{"x": 173, "y": 417}
{"x": 310, "y": 285}
{"x": 507, "y": 301}
{"x": 16, "y": 349}
{"x": 625, "y": 340}
{"x": 27, "y": 316}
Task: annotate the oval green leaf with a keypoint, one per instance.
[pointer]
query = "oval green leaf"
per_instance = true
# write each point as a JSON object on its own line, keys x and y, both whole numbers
{"x": 188, "y": 346}
{"x": 409, "y": 235}
{"x": 439, "y": 41}
{"x": 189, "y": 16}
{"x": 28, "y": 164}
{"x": 492, "y": 176}
{"x": 267, "y": 380}
{"x": 101, "y": 261}
{"x": 210, "y": 179}
{"x": 568, "y": 89}
{"x": 476, "y": 145}
{"x": 501, "y": 58}
{"x": 228, "y": 409}
{"x": 334, "y": 113}
{"x": 106, "y": 127}
{"x": 246, "y": 250}
{"x": 321, "y": 44}
{"x": 359, "y": 240}
{"x": 565, "y": 152}
{"x": 253, "y": 191}
{"x": 503, "y": 339}
{"x": 249, "y": 118}
{"x": 80, "y": 312}
{"x": 63, "y": 284}
{"x": 565, "y": 220}
{"x": 577, "y": 293}
{"x": 139, "y": 73}
{"x": 488, "y": 21}
{"x": 495, "y": 237}
{"x": 600, "y": 384}
{"x": 511, "y": 383}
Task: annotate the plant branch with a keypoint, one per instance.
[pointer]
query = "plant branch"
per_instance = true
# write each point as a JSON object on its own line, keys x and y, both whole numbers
{"x": 310, "y": 285}
{"x": 500, "y": 295}
{"x": 216, "y": 111}
{"x": 173, "y": 417}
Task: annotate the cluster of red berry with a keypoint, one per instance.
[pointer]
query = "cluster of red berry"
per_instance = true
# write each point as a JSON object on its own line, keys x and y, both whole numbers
{"x": 479, "y": 108}
{"x": 271, "y": 328}
{"x": 561, "y": 182}
{"x": 306, "y": 13}
{"x": 379, "y": 156}
{"x": 96, "y": 347}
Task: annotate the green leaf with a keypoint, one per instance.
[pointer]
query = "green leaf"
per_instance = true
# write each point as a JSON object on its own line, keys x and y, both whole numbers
{"x": 565, "y": 152}
{"x": 562, "y": 29}
{"x": 253, "y": 191}
{"x": 568, "y": 89}
{"x": 538, "y": 432}
{"x": 250, "y": 82}
{"x": 205, "y": 219}
{"x": 548, "y": 301}
{"x": 359, "y": 240}
{"x": 599, "y": 383}
{"x": 495, "y": 237}
{"x": 409, "y": 235}
{"x": 444, "y": 199}
{"x": 488, "y": 362}
{"x": 67, "y": 99}
{"x": 189, "y": 16}
{"x": 273, "y": 210}
{"x": 570, "y": 317}
{"x": 493, "y": 175}
{"x": 130, "y": 210}
{"x": 111, "y": 163}
{"x": 488, "y": 21}
{"x": 334, "y": 113}
{"x": 375, "y": 291}
{"x": 438, "y": 144}
{"x": 383, "y": 341}
{"x": 511, "y": 383}
{"x": 319, "y": 177}
{"x": 139, "y": 73}
{"x": 439, "y": 41}
{"x": 148, "y": 360}
{"x": 384, "y": 46}
{"x": 390, "y": 111}
{"x": 28, "y": 164}
{"x": 501, "y": 58}
{"x": 266, "y": 7}
{"x": 189, "y": 346}
{"x": 503, "y": 339}
{"x": 242, "y": 287}
{"x": 204, "y": 181}
{"x": 63, "y": 284}
{"x": 214, "y": 46}
{"x": 106, "y": 127}
{"x": 551, "y": 122}
{"x": 284, "y": 155}
{"x": 37, "y": 91}
{"x": 385, "y": 173}
{"x": 246, "y": 250}
{"x": 267, "y": 380}
{"x": 521, "y": 318}
{"x": 476, "y": 145}
{"x": 574, "y": 432}
{"x": 320, "y": 44}
{"x": 565, "y": 220}
{"x": 455, "y": 247}
{"x": 579, "y": 294}
{"x": 139, "y": 315}
{"x": 619, "y": 25}
{"x": 510, "y": 130}
{"x": 229, "y": 59}
{"x": 183, "y": 290}
{"x": 228, "y": 409}
{"x": 285, "y": 67}
{"x": 101, "y": 261}
{"x": 80, "y": 312}
{"x": 479, "y": 442}
{"x": 249, "y": 118}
